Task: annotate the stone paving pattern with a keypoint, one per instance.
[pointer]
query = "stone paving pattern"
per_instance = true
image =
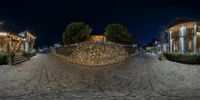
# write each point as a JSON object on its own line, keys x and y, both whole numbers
{"x": 142, "y": 77}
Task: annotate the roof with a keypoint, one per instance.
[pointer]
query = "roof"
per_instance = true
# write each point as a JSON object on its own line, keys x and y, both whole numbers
{"x": 180, "y": 21}
{"x": 16, "y": 35}
{"x": 31, "y": 32}
{"x": 13, "y": 34}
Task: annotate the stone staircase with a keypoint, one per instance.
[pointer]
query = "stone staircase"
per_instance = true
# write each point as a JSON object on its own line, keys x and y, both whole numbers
{"x": 19, "y": 58}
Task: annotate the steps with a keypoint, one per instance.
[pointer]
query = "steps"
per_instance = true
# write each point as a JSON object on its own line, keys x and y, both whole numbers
{"x": 19, "y": 58}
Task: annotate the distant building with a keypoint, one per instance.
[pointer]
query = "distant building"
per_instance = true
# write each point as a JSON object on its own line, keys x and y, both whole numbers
{"x": 97, "y": 38}
{"x": 12, "y": 42}
{"x": 156, "y": 46}
{"x": 184, "y": 35}
{"x": 29, "y": 42}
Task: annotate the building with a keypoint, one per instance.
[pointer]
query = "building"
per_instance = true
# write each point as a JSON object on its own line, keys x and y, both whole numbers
{"x": 12, "y": 42}
{"x": 97, "y": 38}
{"x": 184, "y": 36}
{"x": 156, "y": 46}
{"x": 29, "y": 42}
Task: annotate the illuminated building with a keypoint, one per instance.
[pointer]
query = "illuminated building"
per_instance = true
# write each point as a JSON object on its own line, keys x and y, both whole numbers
{"x": 184, "y": 36}
{"x": 17, "y": 43}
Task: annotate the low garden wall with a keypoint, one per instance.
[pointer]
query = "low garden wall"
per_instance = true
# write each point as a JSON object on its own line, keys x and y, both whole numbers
{"x": 188, "y": 58}
{"x": 93, "y": 53}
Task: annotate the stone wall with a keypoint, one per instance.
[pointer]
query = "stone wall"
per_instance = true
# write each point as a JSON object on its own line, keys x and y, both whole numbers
{"x": 93, "y": 53}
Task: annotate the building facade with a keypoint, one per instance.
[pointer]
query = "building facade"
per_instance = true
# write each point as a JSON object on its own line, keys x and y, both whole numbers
{"x": 97, "y": 38}
{"x": 17, "y": 43}
{"x": 29, "y": 40}
{"x": 184, "y": 36}
{"x": 10, "y": 42}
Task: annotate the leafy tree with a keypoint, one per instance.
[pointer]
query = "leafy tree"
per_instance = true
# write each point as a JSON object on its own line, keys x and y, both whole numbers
{"x": 118, "y": 33}
{"x": 76, "y": 32}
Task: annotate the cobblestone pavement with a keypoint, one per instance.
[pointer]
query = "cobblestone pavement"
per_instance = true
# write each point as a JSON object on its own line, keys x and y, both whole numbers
{"x": 142, "y": 77}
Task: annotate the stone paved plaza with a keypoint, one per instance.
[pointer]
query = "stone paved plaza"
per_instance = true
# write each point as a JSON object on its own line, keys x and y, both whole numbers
{"x": 142, "y": 77}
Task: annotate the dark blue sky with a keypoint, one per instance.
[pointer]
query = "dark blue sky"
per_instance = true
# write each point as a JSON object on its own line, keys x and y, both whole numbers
{"x": 48, "y": 19}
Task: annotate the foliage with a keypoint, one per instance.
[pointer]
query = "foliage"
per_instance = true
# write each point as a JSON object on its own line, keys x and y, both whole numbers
{"x": 4, "y": 57}
{"x": 29, "y": 55}
{"x": 191, "y": 58}
{"x": 76, "y": 32}
{"x": 118, "y": 33}
{"x": 152, "y": 49}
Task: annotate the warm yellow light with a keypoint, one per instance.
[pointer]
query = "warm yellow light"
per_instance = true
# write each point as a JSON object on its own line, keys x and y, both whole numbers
{"x": 99, "y": 37}
{"x": 198, "y": 34}
{"x": 3, "y": 34}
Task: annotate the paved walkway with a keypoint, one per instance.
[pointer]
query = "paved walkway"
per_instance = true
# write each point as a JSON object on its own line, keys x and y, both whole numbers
{"x": 142, "y": 77}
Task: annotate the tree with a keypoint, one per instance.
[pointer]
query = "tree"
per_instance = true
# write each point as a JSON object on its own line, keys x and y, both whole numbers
{"x": 117, "y": 33}
{"x": 76, "y": 32}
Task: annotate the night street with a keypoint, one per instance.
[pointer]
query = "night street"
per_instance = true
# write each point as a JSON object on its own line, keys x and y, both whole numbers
{"x": 99, "y": 50}
{"x": 142, "y": 77}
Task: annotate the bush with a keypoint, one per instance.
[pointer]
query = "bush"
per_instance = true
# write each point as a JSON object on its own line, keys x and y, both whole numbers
{"x": 189, "y": 58}
{"x": 29, "y": 55}
{"x": 6, "y": 57}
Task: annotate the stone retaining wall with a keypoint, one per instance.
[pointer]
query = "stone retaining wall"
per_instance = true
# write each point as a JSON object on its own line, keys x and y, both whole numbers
{"x": 93, "y": 53}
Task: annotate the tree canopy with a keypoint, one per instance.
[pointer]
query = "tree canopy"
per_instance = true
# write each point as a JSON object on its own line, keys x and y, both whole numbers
{"x": 76, "y": 32}
{"x": 118, "y": 33}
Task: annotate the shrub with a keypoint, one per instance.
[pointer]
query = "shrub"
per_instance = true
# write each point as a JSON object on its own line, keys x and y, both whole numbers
{"x": 6, "y": 57}
{"x": 29, "y": 55}
{"x": 3, "y": 58}
{"x": 190, "y": 58}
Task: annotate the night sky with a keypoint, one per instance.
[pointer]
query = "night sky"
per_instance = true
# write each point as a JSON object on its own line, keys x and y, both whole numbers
{"x": 144, "y": 18}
